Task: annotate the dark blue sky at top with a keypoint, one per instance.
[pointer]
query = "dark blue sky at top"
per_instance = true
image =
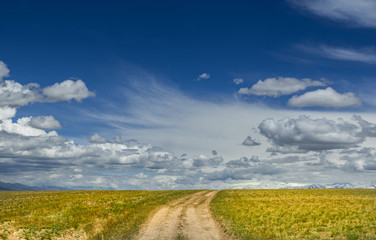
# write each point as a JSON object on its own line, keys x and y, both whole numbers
{"x": 49, "y": 41}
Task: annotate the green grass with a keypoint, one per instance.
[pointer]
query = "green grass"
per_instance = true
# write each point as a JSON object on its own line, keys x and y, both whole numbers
{"x": 297, "y": 214}
{"x": 78, "y": 214}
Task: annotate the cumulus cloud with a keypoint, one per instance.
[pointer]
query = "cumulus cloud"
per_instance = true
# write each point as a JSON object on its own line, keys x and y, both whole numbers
{"x": 238, "y": 81}
{"x": 22, "y": 127}
{"x": 363, "y": 159}
{"x": 201, "y": 161}
{"x": 4, "y": 71}
{"x": 360, "y": 13}
{"x": 13, "y": 94}
{"x": 305, "y": 134}
{"x": 96, "y": 138}
{"x": 28, "y": 149}
{"x": 368, "y": 129}
{"x": 275, "y": 87}
{"x": 67, "y": 91}
{"x": 45, "y": 123}
{"x": 203, "y": 76}
{"x": 249, "y": 141}
{"x": 134, "y": 165}
{"x": 7, "y": 112}
{"x": 325, "y": 98}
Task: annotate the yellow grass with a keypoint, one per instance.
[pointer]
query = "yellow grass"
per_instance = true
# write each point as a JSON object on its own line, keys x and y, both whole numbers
{"x": 297, "y": 214}
{"x": 78, "y": 214}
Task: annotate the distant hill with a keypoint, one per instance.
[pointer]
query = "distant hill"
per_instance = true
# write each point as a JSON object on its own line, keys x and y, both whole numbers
{"x": 21, "y": 187}
{"x": 16, "y": 187}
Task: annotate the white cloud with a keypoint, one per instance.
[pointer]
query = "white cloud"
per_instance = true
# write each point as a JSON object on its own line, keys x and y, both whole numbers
{"x": 360, "y": 13}
{"x": 97, "y": 139}
{"x": 13, "y": 94}
{"x": 142, "y": 166}
{"x": 325, "y": 98}
{"x": 67, "y": 91}
{"x": 238, "y": 81}
{"x": 305, "y": 134}
{"x": 4, "y": 71}
{"x": 165, "y": 117}
{"x": 203, "y": 76}
{"x": 275, "y": 87}
{"x": 22, "y": 127}
{"x": 7, "y": 112}
{"x": 45, "y": 123}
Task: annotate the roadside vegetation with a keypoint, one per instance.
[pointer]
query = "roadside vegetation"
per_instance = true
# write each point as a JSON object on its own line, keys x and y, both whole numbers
{"x": 297, "y": 214}
{"x": 78, "y": 214}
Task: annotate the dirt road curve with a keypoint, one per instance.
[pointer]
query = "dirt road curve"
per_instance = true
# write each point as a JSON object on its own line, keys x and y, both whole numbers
{"x": 186, "y": 218}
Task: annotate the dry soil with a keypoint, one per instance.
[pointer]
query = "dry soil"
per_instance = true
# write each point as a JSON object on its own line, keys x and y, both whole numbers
{"x": 186, "y": 218}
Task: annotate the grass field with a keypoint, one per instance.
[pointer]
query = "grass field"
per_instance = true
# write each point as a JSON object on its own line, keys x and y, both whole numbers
{"x": 297, "y": 214}
{"x": 78, "y": 214}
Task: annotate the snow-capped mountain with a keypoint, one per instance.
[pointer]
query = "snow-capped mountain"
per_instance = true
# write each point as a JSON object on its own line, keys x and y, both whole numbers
{"x": 324, "y": 186}
{"x": 340, "y": 185}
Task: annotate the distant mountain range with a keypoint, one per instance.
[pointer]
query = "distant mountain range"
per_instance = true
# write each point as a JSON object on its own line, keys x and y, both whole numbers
{"x": 281, "y": 185}
{"x": 21, "y": 187}
{"x": 323, "y": 186}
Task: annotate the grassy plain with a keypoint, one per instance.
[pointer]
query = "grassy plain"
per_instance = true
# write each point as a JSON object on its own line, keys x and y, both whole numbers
{"x": 78, "y": 214}
{"x": 297, "y": 214}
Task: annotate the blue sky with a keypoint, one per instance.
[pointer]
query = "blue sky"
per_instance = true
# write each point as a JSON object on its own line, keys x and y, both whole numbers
{"x": 189, "y": 94}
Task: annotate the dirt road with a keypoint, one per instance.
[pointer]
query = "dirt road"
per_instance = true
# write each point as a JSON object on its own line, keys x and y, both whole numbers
{"x": 186, "y": 218}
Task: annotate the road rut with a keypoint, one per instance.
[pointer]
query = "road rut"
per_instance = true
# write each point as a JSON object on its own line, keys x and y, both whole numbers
{"x": 185, "y": 218}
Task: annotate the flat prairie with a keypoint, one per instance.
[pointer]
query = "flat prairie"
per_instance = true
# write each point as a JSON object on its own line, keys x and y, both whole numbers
{"x": 297, "y": 214}
{"x": 193, "y": 214}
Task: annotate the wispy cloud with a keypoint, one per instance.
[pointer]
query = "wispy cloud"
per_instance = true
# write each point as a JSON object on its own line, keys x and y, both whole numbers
{"x": 346, "y": 54}
{"x": 359, "y": 13}
{"x": 164, "y": 116}
{"x": 364, "y": 55}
